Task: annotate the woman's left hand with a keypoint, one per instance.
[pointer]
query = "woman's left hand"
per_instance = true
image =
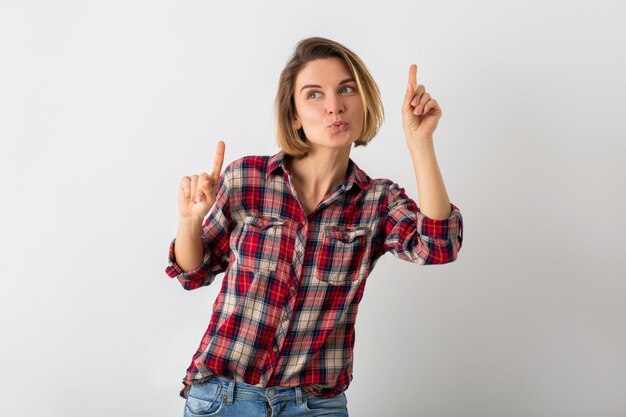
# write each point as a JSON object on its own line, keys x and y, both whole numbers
{"x": 420, "y": 112}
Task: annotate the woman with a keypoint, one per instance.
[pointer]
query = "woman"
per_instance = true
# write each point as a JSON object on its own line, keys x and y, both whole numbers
{"x": 297, "y": 235}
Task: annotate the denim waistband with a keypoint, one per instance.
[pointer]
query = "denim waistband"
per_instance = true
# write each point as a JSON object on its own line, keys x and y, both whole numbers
{"x": 233, "y": 389}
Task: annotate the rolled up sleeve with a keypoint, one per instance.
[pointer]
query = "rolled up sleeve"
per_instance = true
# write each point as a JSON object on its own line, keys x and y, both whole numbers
{"x": 411, "y": 236}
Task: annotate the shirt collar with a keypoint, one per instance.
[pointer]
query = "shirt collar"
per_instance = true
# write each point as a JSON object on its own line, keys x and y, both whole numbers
{"x": 355, "y": 174}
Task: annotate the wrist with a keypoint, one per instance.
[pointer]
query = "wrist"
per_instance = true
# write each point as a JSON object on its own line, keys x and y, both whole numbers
{"x": 190, "y": 221}
{"x": 419, "y": 143}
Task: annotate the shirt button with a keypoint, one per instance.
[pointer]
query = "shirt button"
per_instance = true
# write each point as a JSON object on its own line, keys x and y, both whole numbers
{"x": 275, "y": 349}
{"x": 291, "y": 288}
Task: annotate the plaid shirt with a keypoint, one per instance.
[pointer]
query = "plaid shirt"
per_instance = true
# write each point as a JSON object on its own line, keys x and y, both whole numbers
{"x": 292, "y": 285}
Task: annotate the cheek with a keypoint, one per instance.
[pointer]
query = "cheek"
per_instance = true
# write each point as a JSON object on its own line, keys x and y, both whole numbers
{"x": 310, "y": 115}
{"x": 361, "y": 122}
{"x": 357, "y": 106}
{"x": 358, "y": 114}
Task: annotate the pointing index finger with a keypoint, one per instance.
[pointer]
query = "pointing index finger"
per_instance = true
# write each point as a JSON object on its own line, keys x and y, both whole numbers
{"x": 413, "y": 75}
{"x": 219, "y": 160}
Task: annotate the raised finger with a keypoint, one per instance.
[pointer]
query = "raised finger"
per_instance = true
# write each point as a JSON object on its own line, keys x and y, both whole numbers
{"x": 219, "y": 160}
{"x": 413, "y": 75}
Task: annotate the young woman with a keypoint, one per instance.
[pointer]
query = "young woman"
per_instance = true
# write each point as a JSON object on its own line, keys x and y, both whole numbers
{"x": 297, "y": 235}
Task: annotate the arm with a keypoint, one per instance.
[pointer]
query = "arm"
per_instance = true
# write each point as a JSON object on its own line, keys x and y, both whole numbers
{"x": 189, "y": 249}
{"x": 199, "y": 251}
{"x": 411, "y": 236}
{"x": 206, "y": 250}
{"x": 433, "y": 197}
{"x": 420, "y": 117}
{"x": 433, "y": 232}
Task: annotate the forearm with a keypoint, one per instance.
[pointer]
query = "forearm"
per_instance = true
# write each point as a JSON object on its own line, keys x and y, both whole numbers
{"x": 188, "y": 249}
{"x": 433, "y": 198}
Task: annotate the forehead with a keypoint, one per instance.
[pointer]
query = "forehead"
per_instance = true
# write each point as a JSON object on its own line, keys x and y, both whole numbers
{"x": 320, "y": 71}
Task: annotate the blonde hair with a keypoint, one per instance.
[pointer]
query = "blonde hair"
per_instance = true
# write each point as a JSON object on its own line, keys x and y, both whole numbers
{"x": 292, "y": 141}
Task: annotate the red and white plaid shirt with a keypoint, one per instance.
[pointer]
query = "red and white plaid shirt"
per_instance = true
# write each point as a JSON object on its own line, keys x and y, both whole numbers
{"x": 292, "y": 283}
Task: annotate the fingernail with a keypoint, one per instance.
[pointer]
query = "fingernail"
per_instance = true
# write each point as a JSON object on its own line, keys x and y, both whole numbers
{"x": 198, "y": 199}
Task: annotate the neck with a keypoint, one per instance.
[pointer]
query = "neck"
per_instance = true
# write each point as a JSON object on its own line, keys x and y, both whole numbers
{"x": 320, "y": 171}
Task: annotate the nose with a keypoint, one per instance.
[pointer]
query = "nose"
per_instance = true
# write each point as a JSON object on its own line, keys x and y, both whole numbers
{"x": 334, "y": 105}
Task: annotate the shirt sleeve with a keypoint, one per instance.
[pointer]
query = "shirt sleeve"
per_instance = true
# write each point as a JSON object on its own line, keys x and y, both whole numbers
{"x": 215, "y": 241}
{"x": 413, "y": 237}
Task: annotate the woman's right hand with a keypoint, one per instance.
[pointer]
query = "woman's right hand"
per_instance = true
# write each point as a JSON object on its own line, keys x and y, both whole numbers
{"x": 196, "y": 194}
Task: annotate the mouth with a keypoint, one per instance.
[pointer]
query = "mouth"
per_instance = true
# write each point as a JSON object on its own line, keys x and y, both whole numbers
{"x": 339, "y": 127}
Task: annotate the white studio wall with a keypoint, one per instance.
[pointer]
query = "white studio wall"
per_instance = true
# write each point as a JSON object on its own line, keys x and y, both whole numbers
{"x": 104, "y": 106}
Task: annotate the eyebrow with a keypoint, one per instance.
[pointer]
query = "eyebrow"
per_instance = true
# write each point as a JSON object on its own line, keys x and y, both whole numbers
{"x": 347, "y": 80}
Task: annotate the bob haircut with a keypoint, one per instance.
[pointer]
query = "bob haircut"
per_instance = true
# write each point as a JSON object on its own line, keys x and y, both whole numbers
{"x": 293, "y": 142}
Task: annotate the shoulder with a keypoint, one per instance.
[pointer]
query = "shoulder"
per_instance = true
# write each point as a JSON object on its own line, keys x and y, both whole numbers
{"x": 385, "y": 186}
{"x": 249, "y": 163}
{"x": 391, "y": 195}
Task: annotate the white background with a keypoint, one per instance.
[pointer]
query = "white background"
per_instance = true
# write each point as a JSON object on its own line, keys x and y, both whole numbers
{"x": 104, "y": 106}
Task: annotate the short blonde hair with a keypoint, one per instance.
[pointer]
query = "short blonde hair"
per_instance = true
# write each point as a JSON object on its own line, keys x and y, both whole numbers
{"x": 293, "y": 142}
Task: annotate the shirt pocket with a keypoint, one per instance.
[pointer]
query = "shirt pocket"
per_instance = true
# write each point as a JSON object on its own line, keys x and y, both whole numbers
{"x": 258, "y": 246}
{"x": 344, "y": 253}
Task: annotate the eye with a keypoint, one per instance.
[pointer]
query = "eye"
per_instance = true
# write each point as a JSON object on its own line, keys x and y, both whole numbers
{"x": 348, "y": 89}
{"x": 311, "y": 94}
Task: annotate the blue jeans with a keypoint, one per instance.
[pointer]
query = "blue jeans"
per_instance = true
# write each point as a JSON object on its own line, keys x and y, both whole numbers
{"x": 220, "y": 396}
